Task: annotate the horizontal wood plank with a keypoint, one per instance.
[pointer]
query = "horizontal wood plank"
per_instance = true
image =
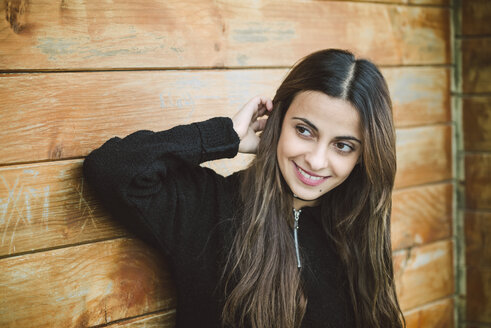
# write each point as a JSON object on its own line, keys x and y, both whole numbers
{"x": 48, "y": 205}
{"x": 439, "y": 314}
{"x": 107, "y": 281}
{"x": 478, "y": 239}
{"x": 424, "y": 274}
{"x": 423, "y": 155}
{"x": 478, "y": 181}
{"x": 478, "y": 291}
{"x": 66, "y": 115}
{"x": 477, "y": 123}
{"x": 60, "y": 35}
{"x": 421, "y": 215}
{"x": 476, "y": 15}
{"x": 476, "y": 66}
{"x": 165, "y": 319}
{"x": 84, "y": 285}
{"x": 420, "y": 95}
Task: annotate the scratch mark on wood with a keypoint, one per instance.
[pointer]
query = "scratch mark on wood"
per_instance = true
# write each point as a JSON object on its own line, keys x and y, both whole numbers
{"x": 45, "y": 216}
{"x": 86, "y": 207}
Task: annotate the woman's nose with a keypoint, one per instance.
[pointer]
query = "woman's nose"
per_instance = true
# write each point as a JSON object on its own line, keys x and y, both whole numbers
{"x": 317, "y": 158}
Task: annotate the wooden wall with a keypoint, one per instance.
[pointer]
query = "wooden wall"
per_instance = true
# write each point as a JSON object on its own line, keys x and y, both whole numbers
{"x": 77, "y": 72}
{"x": 474, "y": 95}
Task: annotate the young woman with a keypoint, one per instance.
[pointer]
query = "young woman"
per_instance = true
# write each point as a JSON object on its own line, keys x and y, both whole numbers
{"x": 301, "y": 238}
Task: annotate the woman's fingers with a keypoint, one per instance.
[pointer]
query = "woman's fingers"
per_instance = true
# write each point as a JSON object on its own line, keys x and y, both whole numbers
{"x": 259, "y": 125}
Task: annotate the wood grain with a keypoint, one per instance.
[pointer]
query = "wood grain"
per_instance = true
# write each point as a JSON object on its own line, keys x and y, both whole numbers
{"x": 424, "y": 274}
{"x": 419, "y": 95}
{"x": 84, "y": 285}
{"x": 478, "y": 181}
{"x": 478, "y": 301}
{"x": 66, "y": 115}
{"x": 476, "y": 65}
{"x": 476, "y": 15}
{"x": 435, "y": 315}
{"x": 412, "y": 2}
{"x": 424, "y": 155}
{"x": 421, "y": 215}
{"x": 477, "y": 123}
{"x": 48, "y": 205}
{"x": 478, "y": 239}
{"x": 61, "y": 35}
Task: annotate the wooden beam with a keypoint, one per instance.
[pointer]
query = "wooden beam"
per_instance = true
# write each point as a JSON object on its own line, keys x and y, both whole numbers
{"x": 439, "y": 314}
{"x": 478, "y": 181}
{"x": 424, "y": 155}
{"x": 84, "y": 285}
{"x": 74, "y": 35}
{"x": 477, "y": 239}
{"x": 477, "y": 123}
{"x": 476, "y": 66}
{"x": 49, "y": 205}
{"x": 421, "y": 215}
{"x": 476, "y": 15}
{"x": 56, "y": 116}
{"x": 424, "y": 274}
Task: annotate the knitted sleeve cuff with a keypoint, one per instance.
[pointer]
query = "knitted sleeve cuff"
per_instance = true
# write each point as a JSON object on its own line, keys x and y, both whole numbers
{"x": 218, "y": 139}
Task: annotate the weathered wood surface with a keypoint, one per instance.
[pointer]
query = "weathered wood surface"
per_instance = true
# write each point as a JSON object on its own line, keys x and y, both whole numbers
{"x": 196, "y": 33}
{"x": 66, "y": 115}
{"x": 421, "y": 215}
{"x": 476, "y": 15}
{"x": 47, "y": 205}
{"x": 478, "y": 181}
{"x": 477, "y": 240}
{"x": 435, "y": 315}
{"x": 477, "y": 123}
{"x": 424, "y": 274}
{"x": 83, "y": 286}
{"x": 411, "y": 2}
{"x": 102, "y": 282}
{"x": 478, "y": 301}
{"x": 419, "y": 95}
{"x": 476, "y": 65}
{"x": 161, "y": 320}
{"x": 424, "y": 155}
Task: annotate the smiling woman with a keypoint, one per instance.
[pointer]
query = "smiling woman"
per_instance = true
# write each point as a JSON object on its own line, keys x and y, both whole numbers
{"x": 319, "y": 145}
{"x": 301, "y": 238}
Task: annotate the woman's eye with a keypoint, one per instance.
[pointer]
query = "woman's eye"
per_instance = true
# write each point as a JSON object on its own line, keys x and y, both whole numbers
{"x": 343, "y": 147}
{"x": 303, "y": 131}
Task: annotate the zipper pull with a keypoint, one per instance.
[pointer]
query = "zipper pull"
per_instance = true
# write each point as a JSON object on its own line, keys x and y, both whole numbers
{"x": 296, "y": 214}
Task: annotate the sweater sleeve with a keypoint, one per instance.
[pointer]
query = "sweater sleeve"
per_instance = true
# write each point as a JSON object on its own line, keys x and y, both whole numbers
{"x": 153, "y": 184}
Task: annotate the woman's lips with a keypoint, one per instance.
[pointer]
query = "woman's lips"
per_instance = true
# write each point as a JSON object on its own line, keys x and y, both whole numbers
{"x": 307, "y": 177}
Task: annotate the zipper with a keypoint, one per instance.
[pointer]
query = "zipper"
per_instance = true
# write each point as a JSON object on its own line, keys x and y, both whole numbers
{"x": 296, "y": 216}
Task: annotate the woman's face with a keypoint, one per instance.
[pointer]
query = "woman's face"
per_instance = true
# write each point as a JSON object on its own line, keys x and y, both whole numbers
{"x": 319, "y": 145}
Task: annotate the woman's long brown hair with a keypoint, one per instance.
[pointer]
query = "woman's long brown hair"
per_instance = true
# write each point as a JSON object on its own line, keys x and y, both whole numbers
{"x": 262, "y": 282}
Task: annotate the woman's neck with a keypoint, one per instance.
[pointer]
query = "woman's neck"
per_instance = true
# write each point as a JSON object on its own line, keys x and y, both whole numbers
{"x": 299, "y": 203}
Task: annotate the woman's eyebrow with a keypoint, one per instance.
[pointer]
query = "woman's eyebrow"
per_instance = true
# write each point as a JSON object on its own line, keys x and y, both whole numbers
{"x": 306, "y": 121}
{"x": 348, "y": 138}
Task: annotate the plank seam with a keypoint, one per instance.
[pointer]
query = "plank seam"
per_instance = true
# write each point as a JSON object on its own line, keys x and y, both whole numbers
{"x": 192, "y": 68}
{"x": 123, "y": 320}
{"x": 53, "y": 248}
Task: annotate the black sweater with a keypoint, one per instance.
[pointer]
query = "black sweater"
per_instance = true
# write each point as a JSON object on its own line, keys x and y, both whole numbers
{"x": 152, "y": 183}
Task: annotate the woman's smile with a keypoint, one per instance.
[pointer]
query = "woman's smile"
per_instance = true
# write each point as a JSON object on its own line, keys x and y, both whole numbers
{"x": 307, "y": 177}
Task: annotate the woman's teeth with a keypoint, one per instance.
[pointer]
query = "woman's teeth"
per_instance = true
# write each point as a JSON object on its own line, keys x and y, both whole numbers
{"x": 308, "y": 176}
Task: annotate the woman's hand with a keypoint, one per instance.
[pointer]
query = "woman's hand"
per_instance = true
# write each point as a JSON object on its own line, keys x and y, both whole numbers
{"x": 247, "y": 122}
